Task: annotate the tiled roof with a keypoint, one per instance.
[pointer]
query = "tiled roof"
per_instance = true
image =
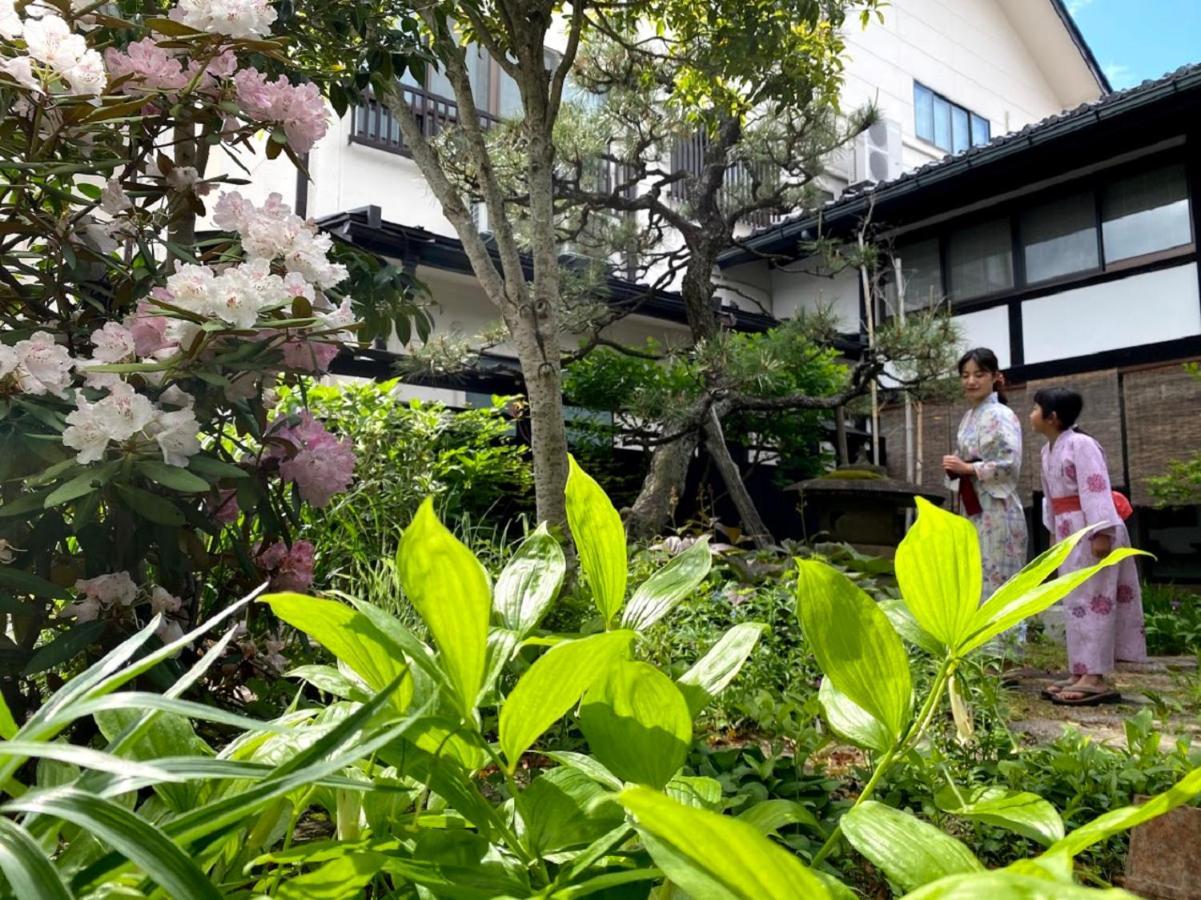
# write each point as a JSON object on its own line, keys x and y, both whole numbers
{"x": 1112, "y": 104}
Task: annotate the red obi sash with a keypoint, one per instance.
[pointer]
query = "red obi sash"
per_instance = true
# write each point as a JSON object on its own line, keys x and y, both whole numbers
{"x": 1061, "y": 506}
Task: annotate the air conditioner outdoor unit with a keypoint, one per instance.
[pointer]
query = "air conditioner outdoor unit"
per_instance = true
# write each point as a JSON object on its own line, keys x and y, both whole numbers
{"x": 479, "y": 214}
{"x": 878, "y": 152}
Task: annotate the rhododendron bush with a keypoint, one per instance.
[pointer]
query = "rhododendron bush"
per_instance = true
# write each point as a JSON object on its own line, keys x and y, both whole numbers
{"x": 141, "y": 456}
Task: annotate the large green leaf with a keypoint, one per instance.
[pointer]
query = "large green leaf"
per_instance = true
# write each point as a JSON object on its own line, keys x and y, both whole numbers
{"x": 656, "y": 596}
{"x": 21, "y": 582}
{"x": 449, "y": 588}
{"x": 1004, "y": 885}
{"x": 850, "y": 721}
{"x": 1019, "y": 811}
{"x": 714, "y": 856}
{"x": 553, "y": 685}
{"x": 84, "y": 758}
{"x": 351, "y": 637}
{"x": 997, "y": 617}
{"x": 906, "y": 626}
{"x": 338, "y": 879}
{"x": 637, "y": 723}
{"x": 938, "y": 569}
{"x": 165, "y": 736}
{"x": 769, "y": 816}
{"x": 138, "y": 841}
{"x": 65, "y": 646}
{"x": 30, "y": 874}
{"x": 600, "y": 539}
{"x": 558, "y": 810}
{"x": 173, "y": 477}
{"x": 713, "y": 672}
{"x": 855, "y": 645}
{"x": 909, "y": 851}
{"x": 530, "y": 582}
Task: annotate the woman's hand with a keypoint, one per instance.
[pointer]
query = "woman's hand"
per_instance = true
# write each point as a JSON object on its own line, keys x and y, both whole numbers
{"x": 1102, "y": 545}
{"x": 953, "y": 465}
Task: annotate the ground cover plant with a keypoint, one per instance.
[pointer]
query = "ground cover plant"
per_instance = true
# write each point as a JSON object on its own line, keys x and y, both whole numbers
{"x": 439, "y": 767}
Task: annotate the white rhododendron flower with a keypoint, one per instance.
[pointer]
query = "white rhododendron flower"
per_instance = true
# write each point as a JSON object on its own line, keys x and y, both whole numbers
{"x": 113, "y": 199}
{"x": 113, "y": 343}
{"x": 10, "y": 21}
{"x": 49, "y": 41}
{"x": 117, "y": 417}
{"x": 43, "y": 366}
{"x": 236, "y": 18}
{"x": 176, "y": 434}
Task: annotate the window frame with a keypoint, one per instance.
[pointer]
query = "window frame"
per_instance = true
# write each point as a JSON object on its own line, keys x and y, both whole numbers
{"x": 972, "y": 118}
{"x": 1093, "y": 183}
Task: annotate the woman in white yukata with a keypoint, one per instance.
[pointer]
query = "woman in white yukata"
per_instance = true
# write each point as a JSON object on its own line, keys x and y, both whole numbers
{"x": 985, "y": 472}
{"x": 1105, "y": 614}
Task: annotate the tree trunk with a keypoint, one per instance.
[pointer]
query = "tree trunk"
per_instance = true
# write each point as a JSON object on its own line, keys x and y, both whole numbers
{"x": 181, "y": 229}
{"x": 661, "y": 489}
{"x": 840, "y": 435}
{"x": 752, "y": 522}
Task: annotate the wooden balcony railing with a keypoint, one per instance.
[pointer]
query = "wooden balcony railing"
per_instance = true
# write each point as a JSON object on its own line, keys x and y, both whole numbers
{"x": 374, "y": 126}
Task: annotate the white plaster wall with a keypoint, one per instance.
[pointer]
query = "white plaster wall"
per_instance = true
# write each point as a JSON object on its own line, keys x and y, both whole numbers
{"x": 967, "y": 50}
{"x": 987, "y": 328}
{"x": 794, "y": 293}
{"x": 1141, "y": 309}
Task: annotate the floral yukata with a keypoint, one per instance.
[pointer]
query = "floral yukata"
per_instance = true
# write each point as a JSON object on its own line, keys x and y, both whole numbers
{"x": 990, "y": 438}
{"x": 1105, "y": 614}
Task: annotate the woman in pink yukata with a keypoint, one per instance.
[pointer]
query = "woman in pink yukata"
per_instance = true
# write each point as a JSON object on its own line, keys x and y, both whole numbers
{"x": 1105, "y": 614}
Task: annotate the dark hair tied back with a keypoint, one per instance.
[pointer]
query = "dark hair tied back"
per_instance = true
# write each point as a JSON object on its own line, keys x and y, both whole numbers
{"x": 1064, "y": 403}
{"x": 986, "y": 360}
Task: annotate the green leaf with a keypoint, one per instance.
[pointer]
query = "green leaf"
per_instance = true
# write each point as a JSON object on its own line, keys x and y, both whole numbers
{"x": 21, "y": 582}
{"x": 449, "y": 588}
{"x": 328, "y": 679}
{"x": 173, "y": 477}
{"x": 141, "y": 843}
{"x": 714, "y": 856}
{"x": 906, "y": 626}
{"x": 150, "y": 507}
{"x": 335, "y": 880}
{"x": 8, "y": 725}
{"x": 30, "y": 874}
{"x": 855, "y": 645}
{"x": 700, "y": 791}
{"x": 994, "y": 619}
{"x": 163, "y": 737}
{"x": 351, "y": 638}
{"x": 1018, "y": 811}
{"x": 849, "y": 721}
{"x": 714, "y": 671}
{"x": 1004, "y": 885}
{"x": 84, "y": 758}
{"x": 1127, "y": 817}
{"x": 584, "y": 763}
{"x": 557, "y": 810}
{"x": 656, "y": 596}
{"x": 637, "y": 723}
{"x": 770, "y": 816}
{"x": 215, "y": 469}
{"x": 66, "y": 646}
{"x": 601, "y": 540}
{"x": 938, "y": 569}
{"x": 909, "y": 851}
{"x": 530, "y": 582}
{"x": 553, "y": 685}
{"x": 86, "y": 483}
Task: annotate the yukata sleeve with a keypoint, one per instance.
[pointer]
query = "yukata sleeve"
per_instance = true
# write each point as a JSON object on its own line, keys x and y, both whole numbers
{"x": 1092, "y": 481}
{"x": 1000, "y": 452}
{"x": 1048, "y": 519}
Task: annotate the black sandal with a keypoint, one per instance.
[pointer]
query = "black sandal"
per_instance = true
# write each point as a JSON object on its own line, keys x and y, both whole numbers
{"x": 1090, "y": 696}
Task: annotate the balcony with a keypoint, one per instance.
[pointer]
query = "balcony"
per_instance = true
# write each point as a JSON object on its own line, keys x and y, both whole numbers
{"x": 689, "y": 156}
{"x": 373, "y": 125}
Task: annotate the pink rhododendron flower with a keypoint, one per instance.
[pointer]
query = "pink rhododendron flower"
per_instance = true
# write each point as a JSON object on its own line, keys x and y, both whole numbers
{"x": 308, "y": 356}
{"x": 321, "y": 465}
{"x": 148, "y": 66}
{"x": 149, "y": 331}
{"x": 299, "y": 108}
{"x": 290, "y": 569}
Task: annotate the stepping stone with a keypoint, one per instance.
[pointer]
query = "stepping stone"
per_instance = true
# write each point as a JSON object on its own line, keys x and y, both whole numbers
{"x": 1162, "y": 863}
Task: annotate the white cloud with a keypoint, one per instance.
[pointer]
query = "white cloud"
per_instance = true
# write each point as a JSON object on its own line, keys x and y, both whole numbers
{"x": 1076, "y": 6}
{"x": 1120, "y": 75}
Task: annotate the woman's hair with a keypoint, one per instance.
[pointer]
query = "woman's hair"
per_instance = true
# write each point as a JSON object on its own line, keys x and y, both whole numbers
{"x": 1063, "y": 403}
{"x": 986, "y": 360}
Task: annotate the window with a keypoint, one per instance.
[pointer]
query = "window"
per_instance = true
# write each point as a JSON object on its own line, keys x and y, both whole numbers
{"x": 946, "y": 125}
{"x": 922, "y": 273}
{"x": 980, "y": 259}
{"x": 1146, "y": 213}
{"x": 1060, "y": 237}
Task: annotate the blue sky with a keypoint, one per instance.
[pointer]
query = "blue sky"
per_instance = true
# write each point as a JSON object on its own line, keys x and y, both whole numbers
{"x": 1134, "y": 40}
